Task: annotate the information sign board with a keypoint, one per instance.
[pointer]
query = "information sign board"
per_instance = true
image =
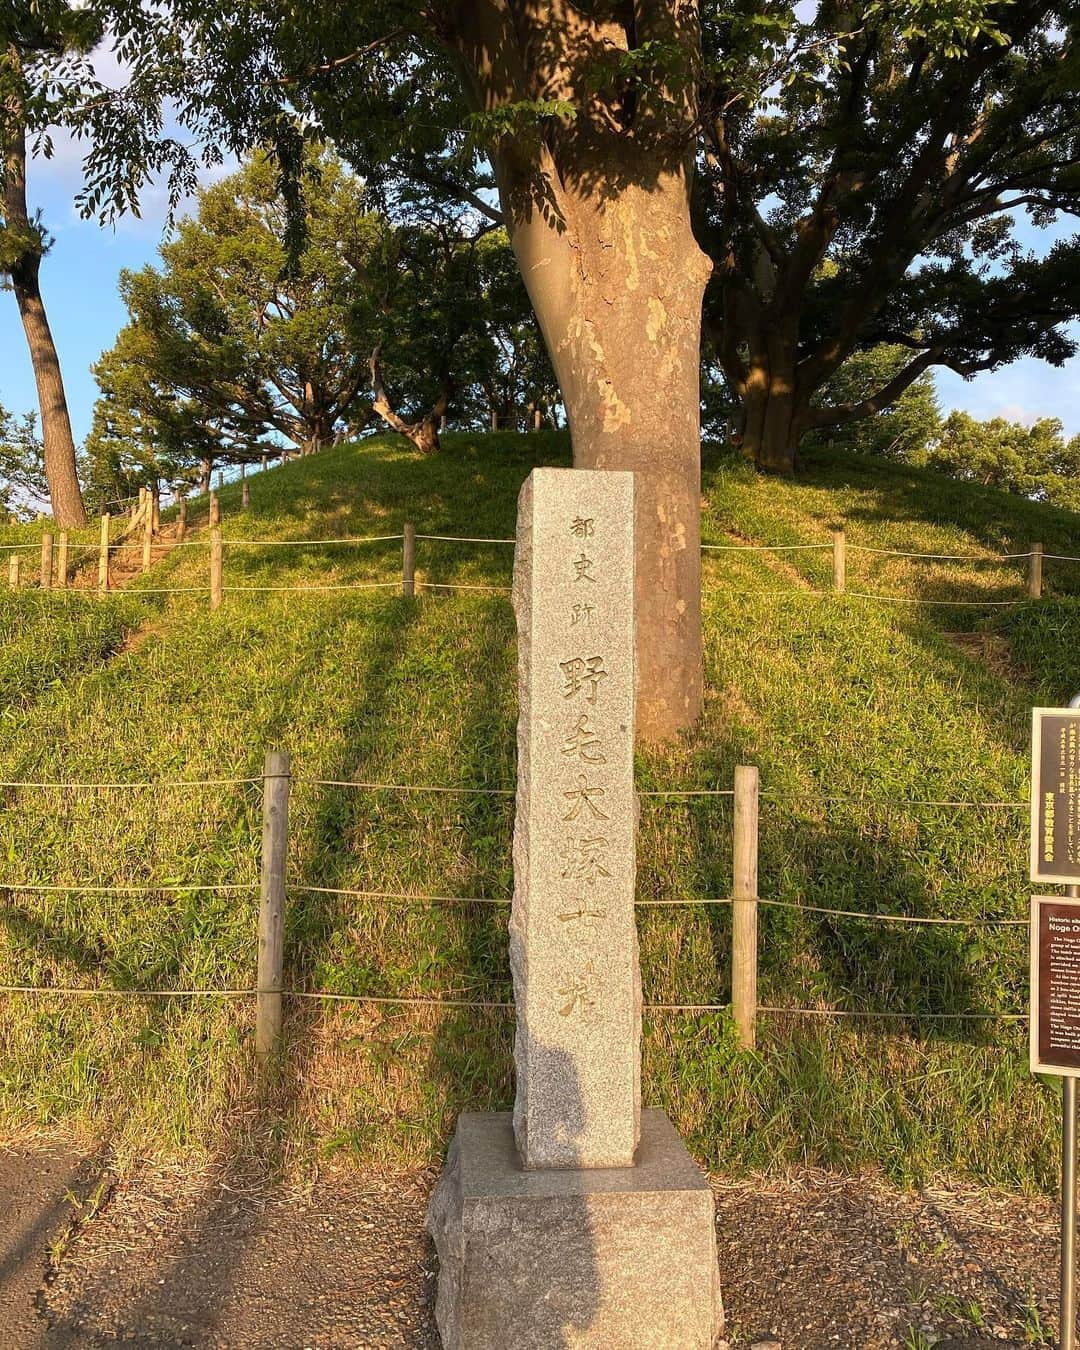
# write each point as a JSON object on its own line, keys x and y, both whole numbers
{"x": 1055, "y": 796}
{"x": 1055, "y": 985}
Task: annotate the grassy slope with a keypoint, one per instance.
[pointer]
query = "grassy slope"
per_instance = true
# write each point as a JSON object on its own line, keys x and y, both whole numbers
{"x": 841, "y": 697}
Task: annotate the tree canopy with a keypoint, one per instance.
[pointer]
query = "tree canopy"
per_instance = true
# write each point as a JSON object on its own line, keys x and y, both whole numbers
{"x": 827, "y": 178}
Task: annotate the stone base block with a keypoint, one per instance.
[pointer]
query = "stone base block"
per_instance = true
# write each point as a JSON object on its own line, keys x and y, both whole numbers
{"x": 622, "y": 1258}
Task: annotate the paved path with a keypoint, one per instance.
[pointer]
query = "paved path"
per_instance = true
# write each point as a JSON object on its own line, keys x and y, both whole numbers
{"x": 205, "y": 1262}
{"x": 40, "y": 1192}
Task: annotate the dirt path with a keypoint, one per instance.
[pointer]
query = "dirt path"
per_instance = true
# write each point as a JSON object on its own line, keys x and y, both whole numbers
{"x": 171, "y": 1260}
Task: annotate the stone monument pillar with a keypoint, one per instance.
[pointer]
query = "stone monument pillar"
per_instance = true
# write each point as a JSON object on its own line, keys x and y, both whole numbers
{"x": 581, "y": 1220}
{"x": 573, "y": 943}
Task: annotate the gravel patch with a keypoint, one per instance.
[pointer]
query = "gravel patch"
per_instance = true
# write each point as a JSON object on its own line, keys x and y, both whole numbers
{"x": 813, "y": 1262}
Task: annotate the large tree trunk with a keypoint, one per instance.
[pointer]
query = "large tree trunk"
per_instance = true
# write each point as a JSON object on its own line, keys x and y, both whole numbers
{"x": 774, "y": 407}
{"x": 60, "y": 472}
{"x": 424, "y": 431}
{"x": 772, "y": 430}
{"x": 617, "y": 279}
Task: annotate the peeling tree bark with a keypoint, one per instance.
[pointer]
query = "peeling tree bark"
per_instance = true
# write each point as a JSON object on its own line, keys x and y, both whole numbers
{"x": 24, "y": 269}
{"x": 598, "y": 212}
{"x": 617, "y": 290}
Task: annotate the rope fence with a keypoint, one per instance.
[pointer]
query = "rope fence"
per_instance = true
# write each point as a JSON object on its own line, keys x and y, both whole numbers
{"x": 59, "y": 575}
{"x": 430, "y": 1001}
{"x": 275, "y": 886}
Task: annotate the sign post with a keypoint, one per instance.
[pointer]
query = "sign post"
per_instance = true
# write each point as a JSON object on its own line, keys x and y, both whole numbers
{"x": 1055, "y": 952}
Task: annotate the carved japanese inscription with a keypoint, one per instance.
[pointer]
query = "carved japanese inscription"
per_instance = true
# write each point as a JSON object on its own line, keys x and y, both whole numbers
{"x": 573, "y": 943}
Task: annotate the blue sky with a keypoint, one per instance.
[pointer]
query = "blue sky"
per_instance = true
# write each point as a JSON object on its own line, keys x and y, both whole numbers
{"x": 79, "y": 282}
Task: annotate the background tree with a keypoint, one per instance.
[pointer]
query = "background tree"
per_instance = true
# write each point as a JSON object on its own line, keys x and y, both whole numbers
{"x": 42, "y": 45}
{"x": 428, "y": 325}
{"x": 587, "y": 121}
{"x": 231, "y": 342}
{"x": 1034, "y": 461}
{"x": 863, "y": 170}
{"x": 23, "y": 487}
{"x": 516, "y": 380}
{"x": 884, "y": 145}
{"x": 904, "y": 430}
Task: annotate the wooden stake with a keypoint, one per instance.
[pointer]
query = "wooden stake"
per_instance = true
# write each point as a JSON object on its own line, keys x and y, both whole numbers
{"x": 103, "y": 557}
{"x": 408, "y": 560}
{"x": 245, "y": 490}
{"x": 275, "y": 840}
{"x": 494, "y": 421}
{"x": 839, "y": 560}
{"x": 46, "y": 561}
{"x": 744, "y": 918}
{"x": 155, "y": 508}
{"x": 62, "y": 561}
{"x": 215, "y": 509}
{"x": 14, "y": 567}
{"x": 538, "y": 419}
{"x": 1035, "y": 572}
{"x": 217, "y": 590}
{"x": 181, "y": 521}
{"x": 147, "y": 536}
{"x": 264, "y": 462}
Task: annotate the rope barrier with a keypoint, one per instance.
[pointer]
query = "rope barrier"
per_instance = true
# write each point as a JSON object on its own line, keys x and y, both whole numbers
{"x": 883, "y": 552}
{"x": 159, "y": 783}
{"x": 458, "y": 586}
{"x": 868, "y": 595}
{"x": 762, "y": 548}
{"x": 910, "y": 1016}
{"x": 402, "y": 895}
{"x": 308, "y": 543}
{"x": 895, "y": 918}
{"x": 463, "y": 539}
{"x": 887, "y": 801}
{"x": 773, "y": 793}
{"x": 915, "y": 600}
{"x": 406, "y": 787}
{"x": 162, "y": 543}
{"x": 417, "y": 1000}
{"x": 940, "y": 557}
{"x": 706, "y": 900}
{"x": 150, "y": 889}
{"x": 345, "y": 586}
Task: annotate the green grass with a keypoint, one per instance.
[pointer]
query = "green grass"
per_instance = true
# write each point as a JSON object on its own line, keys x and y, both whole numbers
{"x": 833, "y": 697}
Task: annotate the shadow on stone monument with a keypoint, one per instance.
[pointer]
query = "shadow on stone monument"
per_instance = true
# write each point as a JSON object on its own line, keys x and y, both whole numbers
{"x": 580, "y": 1220}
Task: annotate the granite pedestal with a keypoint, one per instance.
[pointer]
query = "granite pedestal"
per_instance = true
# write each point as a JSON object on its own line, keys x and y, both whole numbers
{"x": 622, "y": 1258}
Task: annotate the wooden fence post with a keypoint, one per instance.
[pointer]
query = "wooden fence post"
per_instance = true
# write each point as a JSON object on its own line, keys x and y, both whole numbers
{"x": 217, "y": 589}
{"x": 14, "y": 566}
{"x": 62, "y": 561}
{"x": 744, "y": 916}
{"x": 538, "y": 419}
{"x": 263, "y": 462}
{"x": 215, "y": 510}
{"x": 103, "y": 556}
{"x": 147, "y": 536}
{"x": 155, "y": 500}
{"x": 46, "y": 561}
{"x": 408, "y": 559}
{"x": 1035, "y": 570}
{"x": 275, "y": 842}
{"x": 839, "y": 560}
{"x": 245, "y": 489}
{"x": 181, "y": 521}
